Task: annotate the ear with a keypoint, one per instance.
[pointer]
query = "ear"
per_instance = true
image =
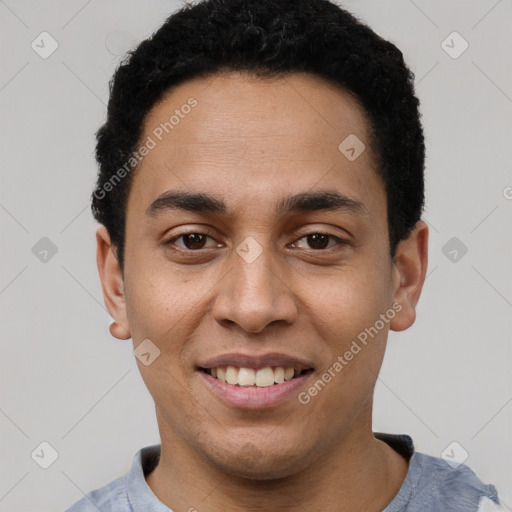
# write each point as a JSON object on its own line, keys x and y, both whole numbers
{"x": 112, "y": 284}
{"x": 410, "y": 269}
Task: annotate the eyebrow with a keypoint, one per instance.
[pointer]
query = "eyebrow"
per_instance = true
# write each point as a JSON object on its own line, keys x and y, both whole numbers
{"x": 199, "y": 202}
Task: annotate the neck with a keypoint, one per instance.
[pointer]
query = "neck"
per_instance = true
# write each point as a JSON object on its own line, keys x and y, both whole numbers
{"x": 359, "y": 473}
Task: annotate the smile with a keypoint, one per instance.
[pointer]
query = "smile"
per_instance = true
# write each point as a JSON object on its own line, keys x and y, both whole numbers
{"x": 255, "y": 381}
{"x": 251, "y": 377}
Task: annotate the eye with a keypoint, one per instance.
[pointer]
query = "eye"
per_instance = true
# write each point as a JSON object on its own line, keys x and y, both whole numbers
{"x": 319, "y": 241}
{"x": 191, "y": 241}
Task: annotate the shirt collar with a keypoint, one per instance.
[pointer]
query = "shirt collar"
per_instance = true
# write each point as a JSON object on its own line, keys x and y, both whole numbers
{"x": 139, "y": 493}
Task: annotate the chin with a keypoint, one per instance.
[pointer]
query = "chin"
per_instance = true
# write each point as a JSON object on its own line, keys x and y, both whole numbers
{"x": 252, "y": 462}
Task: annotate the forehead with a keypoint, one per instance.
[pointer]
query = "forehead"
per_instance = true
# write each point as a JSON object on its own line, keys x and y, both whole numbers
{"x": 235, "y": 134}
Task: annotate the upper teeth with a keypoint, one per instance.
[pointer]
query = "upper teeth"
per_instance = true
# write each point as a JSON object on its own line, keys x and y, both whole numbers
{"x": 262, "y": 377}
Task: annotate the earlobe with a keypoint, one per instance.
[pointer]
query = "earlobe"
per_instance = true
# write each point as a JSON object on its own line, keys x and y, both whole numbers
{"x": 410, "y": 268}
{"x": 112, "y": 284}
{"x": 119, "y": 332}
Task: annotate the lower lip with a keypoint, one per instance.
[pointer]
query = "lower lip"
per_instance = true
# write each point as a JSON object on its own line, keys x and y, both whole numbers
{"x": 249, "y": 397}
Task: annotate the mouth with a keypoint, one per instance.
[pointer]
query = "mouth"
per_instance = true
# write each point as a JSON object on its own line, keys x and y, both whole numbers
{"x": 255, "y": 382}
{"x": 255, "y": 377}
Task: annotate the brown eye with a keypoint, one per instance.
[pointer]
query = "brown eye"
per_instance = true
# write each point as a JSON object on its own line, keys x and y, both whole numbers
{"x": 320, "y": 241}
{"x": 192, "y": 241}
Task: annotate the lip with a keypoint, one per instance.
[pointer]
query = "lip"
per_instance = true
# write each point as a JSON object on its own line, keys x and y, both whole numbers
{"x": 248, "y": 397}
{"x": 256, "y": 361}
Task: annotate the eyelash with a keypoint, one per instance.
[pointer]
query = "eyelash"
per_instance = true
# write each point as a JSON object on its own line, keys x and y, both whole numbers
{"x": 170, "y": 242}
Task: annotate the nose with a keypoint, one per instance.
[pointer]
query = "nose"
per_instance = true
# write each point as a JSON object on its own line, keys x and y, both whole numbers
{"x": 255, "y": 294}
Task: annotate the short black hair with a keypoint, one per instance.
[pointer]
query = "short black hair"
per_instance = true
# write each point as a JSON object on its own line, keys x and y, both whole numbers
{"x": 267, "y": 38}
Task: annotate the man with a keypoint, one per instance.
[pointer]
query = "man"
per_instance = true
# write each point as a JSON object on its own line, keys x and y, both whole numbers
{"x": 260, "y": 195}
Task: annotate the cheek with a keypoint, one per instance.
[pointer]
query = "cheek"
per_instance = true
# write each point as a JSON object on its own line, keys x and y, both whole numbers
{"x": 163, "y": 312}
{"x": 166, "y": 309}
{"x": 347, "y": 316}
{"x": 160, "y": 302}
{"x": 355, "y": 350}
{"x": 348, "y": 302}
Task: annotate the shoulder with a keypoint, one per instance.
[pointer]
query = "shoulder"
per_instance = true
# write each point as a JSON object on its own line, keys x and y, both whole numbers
{"x": 452, "y": 488}
{"x": 109, "y": 498}
{"x": 127, "y": 492}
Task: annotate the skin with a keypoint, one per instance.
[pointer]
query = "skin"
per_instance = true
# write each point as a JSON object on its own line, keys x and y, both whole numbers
{"x": 252, "y": 141}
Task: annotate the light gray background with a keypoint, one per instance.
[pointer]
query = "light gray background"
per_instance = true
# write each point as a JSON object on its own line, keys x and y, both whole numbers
{"x": 66, "y": 381}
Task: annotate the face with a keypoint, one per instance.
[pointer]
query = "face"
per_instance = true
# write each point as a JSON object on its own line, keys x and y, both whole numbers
{"x": 257, "y": 250}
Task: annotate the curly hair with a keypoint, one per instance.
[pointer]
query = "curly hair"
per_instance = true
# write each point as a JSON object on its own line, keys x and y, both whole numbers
{"x": 267, "y": 38}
